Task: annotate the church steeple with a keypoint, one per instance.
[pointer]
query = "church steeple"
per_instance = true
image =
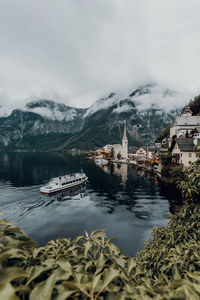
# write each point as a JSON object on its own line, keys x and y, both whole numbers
{"x": 125, "y": 143}
{"x": 124, "y": 136}
{"x": 186, "y": 111}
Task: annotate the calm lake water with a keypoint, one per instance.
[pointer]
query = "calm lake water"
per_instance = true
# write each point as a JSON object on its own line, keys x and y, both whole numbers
{"x": 126, "y": 203}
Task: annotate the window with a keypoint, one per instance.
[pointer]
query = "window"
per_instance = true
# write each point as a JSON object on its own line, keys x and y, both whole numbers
{"x": 196, "y": 154}
{"x": 190, "y": 154}
{"x": 181, "y": 154}
{"x": 190, "y": 162}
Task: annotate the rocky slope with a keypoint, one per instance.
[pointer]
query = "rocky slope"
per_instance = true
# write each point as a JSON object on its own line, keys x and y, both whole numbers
{"x": 48, "y": 125}
{"x": 103, "y": 121}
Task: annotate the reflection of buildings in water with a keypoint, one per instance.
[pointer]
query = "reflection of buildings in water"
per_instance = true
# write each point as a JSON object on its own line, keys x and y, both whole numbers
{"x": 121, "y": 170}
{"x": 156, "y": 180}
{"x": 141, "y": 173}
{"x": 105, "y": 168}
{"x": 148, "y": 175}
{"x": 5, "y": 158}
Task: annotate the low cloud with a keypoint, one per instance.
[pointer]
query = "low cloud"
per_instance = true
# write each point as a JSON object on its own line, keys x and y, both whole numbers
{"x": 78, "y": 51}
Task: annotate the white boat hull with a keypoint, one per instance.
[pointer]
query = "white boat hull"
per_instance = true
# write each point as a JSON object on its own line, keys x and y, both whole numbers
{"x": 50, "y": 190}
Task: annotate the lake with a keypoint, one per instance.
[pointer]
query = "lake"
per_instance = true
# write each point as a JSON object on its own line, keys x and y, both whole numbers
{"x": 123, "y": 201}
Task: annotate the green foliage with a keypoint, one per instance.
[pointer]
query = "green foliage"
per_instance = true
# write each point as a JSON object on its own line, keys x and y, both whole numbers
{"x": 176, "y": 173}
{"x": 190, "y": 183}
{"x": 119, "y": 155}
{"x": 92, "y": 267}
{"x": 195, "y": 105}
{"x": 164, "y": 134}
{"x": 170, "y": 262}
{"x": 112, "y": 153}
{"x": 166, "y": 159}
{"x": 173, "y": 143}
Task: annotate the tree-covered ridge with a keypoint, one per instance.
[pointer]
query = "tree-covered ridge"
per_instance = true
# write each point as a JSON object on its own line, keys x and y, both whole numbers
{"x": 164, "y": 134}
{"x": 92, "y": 267}
{"x": 195, "y": 105}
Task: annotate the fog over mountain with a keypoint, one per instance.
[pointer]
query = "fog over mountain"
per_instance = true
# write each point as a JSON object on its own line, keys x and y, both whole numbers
{"x": 47, "y": 125}
{"x": 75, "y": 52}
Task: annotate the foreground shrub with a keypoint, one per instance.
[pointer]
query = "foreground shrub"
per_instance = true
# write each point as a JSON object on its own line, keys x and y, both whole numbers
{"x": 92, "y": 267}
{"x": 189, "y": 183}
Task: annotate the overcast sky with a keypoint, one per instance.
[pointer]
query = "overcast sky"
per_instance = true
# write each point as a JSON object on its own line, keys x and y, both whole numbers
{"x": 76, "y": 51}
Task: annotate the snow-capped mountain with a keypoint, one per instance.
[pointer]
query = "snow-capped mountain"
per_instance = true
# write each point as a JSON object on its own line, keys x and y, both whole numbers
{"x": 103, "y": 121}
{"x": 53, "y": 110}
{"x": 143, "y": 98}
{"x": 147, "y": 110}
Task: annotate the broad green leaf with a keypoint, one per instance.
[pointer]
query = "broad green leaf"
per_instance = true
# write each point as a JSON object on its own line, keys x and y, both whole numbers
{"x": 64, "y": 295}
{"x": 12, "y": 273}
{"x": 43, "y": 291}
{"x": 65, "y": 265}
{"x": 108, "y": 276}
{"x": 36, "y": 272}
{"x": 7, "y": 292}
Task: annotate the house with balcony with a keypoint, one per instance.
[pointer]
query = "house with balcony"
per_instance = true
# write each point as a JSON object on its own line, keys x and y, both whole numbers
{"x": 184, "y": 151}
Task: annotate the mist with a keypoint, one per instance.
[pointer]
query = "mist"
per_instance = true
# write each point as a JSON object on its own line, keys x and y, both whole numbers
{"x": 76, "y": 52}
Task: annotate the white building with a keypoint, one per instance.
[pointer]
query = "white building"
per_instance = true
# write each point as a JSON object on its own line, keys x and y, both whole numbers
{"x": 122, "y": 149}
{"x": 184, "y": 124}
{"x": 107, "y": 147}
{"x": 141, "y": 152}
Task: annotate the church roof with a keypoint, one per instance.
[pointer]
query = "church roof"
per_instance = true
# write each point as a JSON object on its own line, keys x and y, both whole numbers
{"x": 185, "y": 144}
{"x": 186, "y": 110}
{"x": 151, "y": 149}
{"x": 117, "y": 145}
{"x": 187, "y": 120}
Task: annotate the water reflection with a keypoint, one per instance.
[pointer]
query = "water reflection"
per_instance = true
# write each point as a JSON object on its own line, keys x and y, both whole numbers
{"x": 75, "y": 192}
{"x": 124, "y": 201}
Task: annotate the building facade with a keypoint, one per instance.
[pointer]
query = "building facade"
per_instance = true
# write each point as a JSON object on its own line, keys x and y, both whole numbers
{"x": 141, "y": 152}
{"x": 184, "y": 124}
{"x": 184, "y": 151}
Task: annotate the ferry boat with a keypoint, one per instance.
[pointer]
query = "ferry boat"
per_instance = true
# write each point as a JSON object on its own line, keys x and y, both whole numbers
{"x": 63, "y": 182}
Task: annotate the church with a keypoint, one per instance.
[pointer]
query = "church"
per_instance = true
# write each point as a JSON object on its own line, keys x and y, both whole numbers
{"x": 184, "y": 124}
{"x": 122, "y": 149}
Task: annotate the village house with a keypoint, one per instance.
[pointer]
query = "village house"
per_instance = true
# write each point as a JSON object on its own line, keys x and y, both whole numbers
{"x": 141, "y": 156}
{"x": 141, "y": 152}
{"x": 153, "y": 155}
{"x": 184, "y": 151}
{"x": 100, "y": 153}
{"x": 151, "y": 152}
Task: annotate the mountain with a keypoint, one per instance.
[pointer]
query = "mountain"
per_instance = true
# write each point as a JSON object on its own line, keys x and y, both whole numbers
{"x": 40, "y": 125}
{"x": 103, "y": 121}
{"x": 55, "y": 111}
{"x": 48, "y": 125}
